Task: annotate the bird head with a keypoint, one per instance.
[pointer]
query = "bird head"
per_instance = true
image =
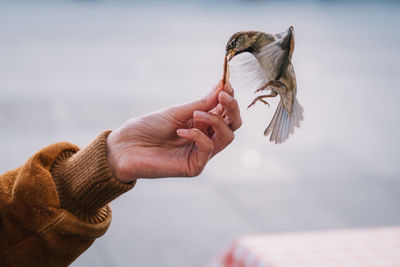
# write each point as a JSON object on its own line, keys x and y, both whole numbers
{"x": 242, "y": 42}
{"x": 253, "y": 41}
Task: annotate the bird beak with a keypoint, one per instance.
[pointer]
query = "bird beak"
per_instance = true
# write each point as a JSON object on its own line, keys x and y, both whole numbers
{"x": 230, "y": 54}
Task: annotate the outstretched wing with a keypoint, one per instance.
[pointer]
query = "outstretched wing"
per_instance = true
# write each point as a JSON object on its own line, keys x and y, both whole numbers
{"x": 274, "y": 57}
{"x": 246, "y": 70}
{"x": 273, "y": 60}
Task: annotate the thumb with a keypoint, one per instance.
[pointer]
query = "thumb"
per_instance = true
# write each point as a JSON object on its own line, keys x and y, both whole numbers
{"x": 185, "y": 112}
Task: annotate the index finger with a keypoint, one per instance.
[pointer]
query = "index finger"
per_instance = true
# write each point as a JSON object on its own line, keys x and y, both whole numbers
{"x": 185, "y": 112}
{"x": 232, "y": 110}
{"x": 228, "y": 88}
{"x": 219, "y": 109}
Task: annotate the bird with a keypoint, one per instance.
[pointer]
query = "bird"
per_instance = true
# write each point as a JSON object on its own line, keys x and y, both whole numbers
{"x": 273, "y": 69}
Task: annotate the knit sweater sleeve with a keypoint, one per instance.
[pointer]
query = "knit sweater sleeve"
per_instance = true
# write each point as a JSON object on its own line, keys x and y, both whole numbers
{"x": 85, "y": 182}
{"x": 54, "y": 206}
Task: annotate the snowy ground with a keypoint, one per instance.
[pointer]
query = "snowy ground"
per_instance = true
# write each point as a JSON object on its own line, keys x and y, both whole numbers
{"x": 69, "y": 70}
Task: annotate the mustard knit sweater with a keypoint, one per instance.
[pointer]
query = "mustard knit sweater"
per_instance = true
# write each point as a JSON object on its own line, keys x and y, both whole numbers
{"x": 54, "y": 206}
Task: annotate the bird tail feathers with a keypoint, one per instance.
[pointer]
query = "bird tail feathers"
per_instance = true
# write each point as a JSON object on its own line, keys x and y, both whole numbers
{"x": 283, "y": 123}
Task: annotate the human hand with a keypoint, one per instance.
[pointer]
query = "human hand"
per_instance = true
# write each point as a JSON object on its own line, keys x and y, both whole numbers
{"x": 177, "y": 141}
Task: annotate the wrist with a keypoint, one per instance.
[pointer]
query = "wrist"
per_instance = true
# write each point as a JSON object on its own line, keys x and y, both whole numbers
{"x": 115, "y": 147}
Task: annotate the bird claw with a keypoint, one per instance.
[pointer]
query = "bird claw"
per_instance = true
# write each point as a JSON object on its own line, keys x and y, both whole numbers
{"x": 266, "y": 85}
{"x": 258, "y": 99}
{"x": 265, "y": 102}
{"x": 259, "y": 90}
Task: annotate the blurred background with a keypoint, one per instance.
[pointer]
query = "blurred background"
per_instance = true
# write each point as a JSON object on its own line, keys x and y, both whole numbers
{"x": 71, "y": 69}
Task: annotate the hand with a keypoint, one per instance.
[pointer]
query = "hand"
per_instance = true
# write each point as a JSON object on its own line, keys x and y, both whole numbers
{"x": 177, "y": 141}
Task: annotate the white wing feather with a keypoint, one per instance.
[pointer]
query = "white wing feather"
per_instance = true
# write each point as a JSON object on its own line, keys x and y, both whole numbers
{"x": 246, "y": 70}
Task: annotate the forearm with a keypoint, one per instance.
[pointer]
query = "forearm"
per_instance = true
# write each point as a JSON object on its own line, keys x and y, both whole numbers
{"x": 54, "y": 206}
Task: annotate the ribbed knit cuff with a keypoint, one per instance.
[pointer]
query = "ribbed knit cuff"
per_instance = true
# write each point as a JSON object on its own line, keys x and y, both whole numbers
{"x": 85, "y": 182}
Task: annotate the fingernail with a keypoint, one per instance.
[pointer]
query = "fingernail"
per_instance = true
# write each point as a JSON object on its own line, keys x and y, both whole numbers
{"x": 226, "y": 96}
{"x": 182, "y": 131}
{"x": 201, "y": 115}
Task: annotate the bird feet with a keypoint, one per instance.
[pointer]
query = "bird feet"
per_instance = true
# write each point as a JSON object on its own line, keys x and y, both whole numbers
{"x": 272, "y": 82}
{"x": 262, "y": 88}
{"x": 260, "y": 98}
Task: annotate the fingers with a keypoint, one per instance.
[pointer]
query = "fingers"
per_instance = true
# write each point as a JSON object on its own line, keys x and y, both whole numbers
{"x": 232, "y": 110}
{"x": 223, "y": 134}
{"x": 219, "y": 109}
{"x": 228, "y": 88}
{"x": 219, "y": 113}
{"x": 185, "y": 112}
{"x": 204, "y": 151}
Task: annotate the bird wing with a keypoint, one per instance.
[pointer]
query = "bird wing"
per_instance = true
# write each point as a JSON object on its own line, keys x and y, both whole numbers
{"x": 246, "y": 70}
{"x": 288, "y": 91}
{"x": 273, "y": 59}
{"x": 287, "y": 100}
{"x": 275, "y": 56}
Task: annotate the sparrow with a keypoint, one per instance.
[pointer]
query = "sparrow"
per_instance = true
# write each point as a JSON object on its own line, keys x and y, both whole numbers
{"x": 273, "y": 53}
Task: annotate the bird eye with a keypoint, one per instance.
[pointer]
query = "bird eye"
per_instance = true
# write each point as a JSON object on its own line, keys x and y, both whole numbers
{"x": 233, "y": 43}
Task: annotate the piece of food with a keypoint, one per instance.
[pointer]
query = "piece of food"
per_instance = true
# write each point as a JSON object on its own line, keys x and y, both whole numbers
{"x": 226, "y": 72}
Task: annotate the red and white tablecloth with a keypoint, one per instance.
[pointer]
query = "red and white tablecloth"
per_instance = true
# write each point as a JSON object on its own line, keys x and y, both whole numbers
{"x": 356, "y": 247}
